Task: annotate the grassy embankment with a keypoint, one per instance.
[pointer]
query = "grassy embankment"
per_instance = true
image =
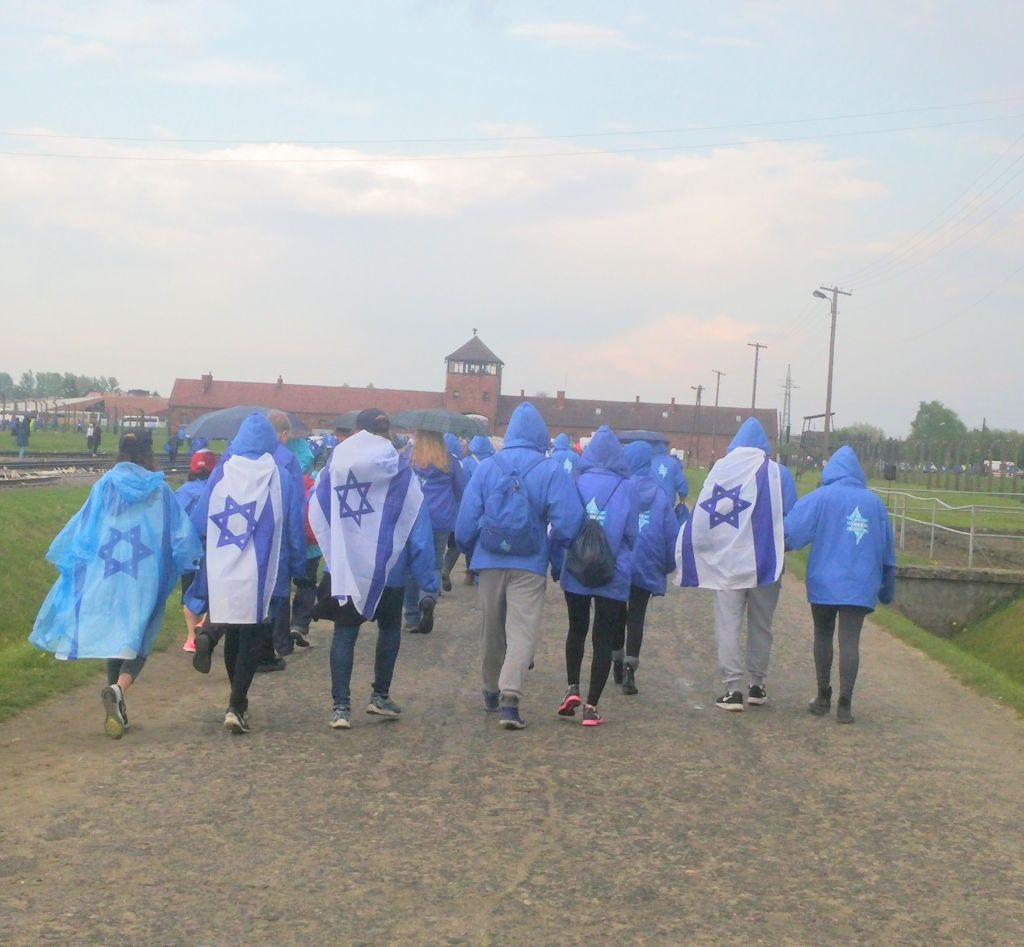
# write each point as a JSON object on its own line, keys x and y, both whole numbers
{"x": 31, "y": 518}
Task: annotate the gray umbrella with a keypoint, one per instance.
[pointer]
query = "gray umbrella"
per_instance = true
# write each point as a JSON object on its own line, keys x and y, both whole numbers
{"x": 651, "y": 437}
{"x": 439, "y": 420}
{"x": 224, "y": 424}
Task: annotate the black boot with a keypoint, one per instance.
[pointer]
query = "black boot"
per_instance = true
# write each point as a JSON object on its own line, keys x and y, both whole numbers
{"x": 629, "y": 680}
{"x": 821, "y": 704}
{"x": 843, "y": 714}
{"x": 617, "y": 671}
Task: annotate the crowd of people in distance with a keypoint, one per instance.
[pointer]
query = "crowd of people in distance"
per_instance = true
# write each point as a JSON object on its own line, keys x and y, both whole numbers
{"x": 389, "y": 517}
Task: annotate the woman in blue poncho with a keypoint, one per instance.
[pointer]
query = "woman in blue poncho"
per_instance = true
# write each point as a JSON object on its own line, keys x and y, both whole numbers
{"x": 119, "y": 557}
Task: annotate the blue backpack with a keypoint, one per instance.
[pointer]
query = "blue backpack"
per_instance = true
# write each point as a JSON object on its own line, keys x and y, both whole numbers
{"x": 508, "y": 527}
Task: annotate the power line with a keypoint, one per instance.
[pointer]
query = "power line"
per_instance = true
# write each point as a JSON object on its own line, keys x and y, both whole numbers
{"x": 10, "y": 133}
{"x": 397, "y": 159}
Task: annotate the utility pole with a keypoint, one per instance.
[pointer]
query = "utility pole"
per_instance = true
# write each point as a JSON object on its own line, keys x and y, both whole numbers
{"x": 836, "y": 293}
{"x": 696, "y": 421}
{"x": 714, "y": 418}
{"x": 756, "y": 346}
{"x": 787, "y": 402}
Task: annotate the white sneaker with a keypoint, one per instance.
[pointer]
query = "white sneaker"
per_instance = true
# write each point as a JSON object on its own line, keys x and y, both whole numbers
{"x": 113, "y": 702}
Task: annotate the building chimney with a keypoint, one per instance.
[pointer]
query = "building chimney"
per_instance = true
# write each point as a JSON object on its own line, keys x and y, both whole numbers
{"x": 522, "y": 392}
{"x": 207, "y": 381}
{"x": 280, "y": 381}
{"x": 636, "y": 406}
{"x": 560, "y": 399}
{"x": 673, "y": 406}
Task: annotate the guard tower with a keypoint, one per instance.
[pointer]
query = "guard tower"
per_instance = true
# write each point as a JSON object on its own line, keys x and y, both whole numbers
{"x": 473, "y": 382}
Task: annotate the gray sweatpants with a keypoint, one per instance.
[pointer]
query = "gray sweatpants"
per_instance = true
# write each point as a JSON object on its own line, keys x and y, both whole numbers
{"x": 759, "y": 605}
{"x": 512, "y": 602}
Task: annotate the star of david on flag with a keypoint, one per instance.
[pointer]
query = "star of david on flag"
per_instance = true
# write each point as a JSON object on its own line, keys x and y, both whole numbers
{"x": 112, "y": 565}
{"x": 736, "y": 506}
{"x": 363, "y": 507}
{"x": 222, "y": 520}
{"x": 857, "y": 524}
{"x": 595, "y": 512}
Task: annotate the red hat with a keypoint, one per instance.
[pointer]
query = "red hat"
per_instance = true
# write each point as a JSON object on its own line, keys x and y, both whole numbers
{"x": 203, "y": 462}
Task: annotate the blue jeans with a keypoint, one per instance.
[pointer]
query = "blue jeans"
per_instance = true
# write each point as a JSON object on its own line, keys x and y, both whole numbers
{"x": 413, "y": 595}
{"x": 389, "y": 640}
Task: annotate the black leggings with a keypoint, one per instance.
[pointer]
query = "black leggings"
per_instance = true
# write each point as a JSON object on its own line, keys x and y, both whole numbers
{"x": 851, "y": 618}
{"x": 632, "y": 632}
{"x": 241, "y": 655}
{"x": 609, "y": 620}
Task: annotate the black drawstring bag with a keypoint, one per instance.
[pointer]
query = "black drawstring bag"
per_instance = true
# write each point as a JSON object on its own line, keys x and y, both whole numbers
{"x": 590, "y": 559}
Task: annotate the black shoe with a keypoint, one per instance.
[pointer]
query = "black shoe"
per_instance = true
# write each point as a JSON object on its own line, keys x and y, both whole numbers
{"x": 843, "y": 714}
{"x": 299, "y": 637}
{"x": 203, "y": 654}
{"x": 446, "y": 583}
{"x": 629, "y": 680}
{"x": 426, "y": 625}
{"x": 756, "y": 695}
{"x": 617, "y": 671}
{"x": 412, "y": 629}
{"x": 730, "y": 700}
{"x": 821, "y": 704}
{"x": 278, "y": 664}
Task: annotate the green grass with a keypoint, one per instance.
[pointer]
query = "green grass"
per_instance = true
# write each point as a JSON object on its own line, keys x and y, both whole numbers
{"x": 988, "y": 656}
{"x": 31, "y": 519}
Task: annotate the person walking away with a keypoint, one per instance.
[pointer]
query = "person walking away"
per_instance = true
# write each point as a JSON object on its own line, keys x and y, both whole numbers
{"x": 479, "y": 448}
{"x": 201, "y": 466}
{"x": 671, "y": 478}
{"x": 451, "y": 554}
{"x": 245, "y": 519}
{"x": 852, "y": 566}
{"x": 608, "y": 497}
{"x": 563, "y": 454}
{"x": 440, "y": 476}
{"x": 88, "y": 436}
{"x": 652, "y": 561}
{"x": 515, "y": 505}
{"x": 305, "y": 593}
{"x": 21, "y": 436}
{"x": 118, "y": 557}
{"x": 369, "y": 517}
{"x": 733, "y": 543}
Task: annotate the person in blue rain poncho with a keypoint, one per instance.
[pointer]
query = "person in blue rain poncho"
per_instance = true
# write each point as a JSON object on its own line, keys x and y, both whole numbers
{"x": 480, "y": 447}
{"x": 188, "y": 494}
{"x": 451, "y": 553}
{"x": 608, "y": 496}
{"x": 668, "y": 471}
{"x": 119, "y": 557}
{"x": 653, "y": 559}
{"x": 852, "y": 566}
{"x": 563, "y": 454}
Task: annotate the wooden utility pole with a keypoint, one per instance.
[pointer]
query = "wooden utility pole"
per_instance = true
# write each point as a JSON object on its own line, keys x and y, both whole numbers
{"x": 756, "y": 346}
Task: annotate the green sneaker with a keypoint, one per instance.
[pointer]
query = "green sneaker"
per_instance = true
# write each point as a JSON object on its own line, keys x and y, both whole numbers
{"x": 383, "y": 706}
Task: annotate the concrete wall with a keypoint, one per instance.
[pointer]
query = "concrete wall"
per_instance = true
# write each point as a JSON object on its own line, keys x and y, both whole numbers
{"x": 943, "y": 599}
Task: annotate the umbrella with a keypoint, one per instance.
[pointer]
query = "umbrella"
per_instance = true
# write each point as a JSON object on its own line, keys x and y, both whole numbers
{"x": 224, "y": 424}
{"x": 651, "y": 437}
{"x": 346, "y": 421}
{"x": 439, "y": 420}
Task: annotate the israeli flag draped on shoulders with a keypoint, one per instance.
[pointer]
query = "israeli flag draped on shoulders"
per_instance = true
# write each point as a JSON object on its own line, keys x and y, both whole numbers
{"x": 243, "y": 539}
{"x": 734, "y": 537}
{"x": 362, "y": 512}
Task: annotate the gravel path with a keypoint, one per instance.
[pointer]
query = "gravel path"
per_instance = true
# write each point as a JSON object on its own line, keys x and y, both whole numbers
{"x": 675, "y": 823}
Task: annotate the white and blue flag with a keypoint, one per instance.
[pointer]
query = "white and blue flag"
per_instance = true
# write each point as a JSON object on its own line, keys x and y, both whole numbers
{"x": 734, "y": 538}
{"x": 243, "y": 539}
{"x": 362, "y": 511}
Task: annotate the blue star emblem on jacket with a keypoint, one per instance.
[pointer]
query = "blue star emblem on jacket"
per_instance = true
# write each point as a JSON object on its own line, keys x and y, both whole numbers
{"x": 140, "y": 551}
{"x": 595, "y": 512}
{"x": 643, "y": 520}
{"x": 567, "y": 465}
{"x": 857, "y": 524}
{"x": 362, "y": 507}
{"x": 222, "y": 520}
{"x": 736, "y": 505}
{"x": 662, "y": 471}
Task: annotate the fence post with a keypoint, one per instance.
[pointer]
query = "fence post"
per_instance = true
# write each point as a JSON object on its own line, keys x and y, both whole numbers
{"x": 931, "y": 544}
{"x": 903, "y": 523}
{"x": 970, "y": 547}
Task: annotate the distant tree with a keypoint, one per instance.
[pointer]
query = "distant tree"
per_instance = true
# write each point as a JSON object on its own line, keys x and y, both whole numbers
{"x": 27, "y": 385}
{"x": 859, "y": 431}
{"x": 69, "y": 386}
{"x": 6, "y": 383}
{"x": 369, "y": 384}
{"x": 936, "y": 422}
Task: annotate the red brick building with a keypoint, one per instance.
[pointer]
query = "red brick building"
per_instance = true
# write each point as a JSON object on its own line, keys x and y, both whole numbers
{"x": 473, "y": 386}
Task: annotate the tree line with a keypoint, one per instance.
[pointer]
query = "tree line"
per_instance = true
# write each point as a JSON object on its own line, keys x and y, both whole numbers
{"x": 56, "y": 385}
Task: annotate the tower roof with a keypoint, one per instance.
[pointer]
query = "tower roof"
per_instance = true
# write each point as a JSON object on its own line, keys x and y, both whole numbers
{"x": 474, "y": 351}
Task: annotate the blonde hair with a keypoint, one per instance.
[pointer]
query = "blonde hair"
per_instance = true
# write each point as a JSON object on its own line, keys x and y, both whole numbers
{"x": 429, "y": 450}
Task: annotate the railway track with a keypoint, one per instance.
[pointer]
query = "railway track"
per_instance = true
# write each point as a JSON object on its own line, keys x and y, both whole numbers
{"x": 40, "y": 471}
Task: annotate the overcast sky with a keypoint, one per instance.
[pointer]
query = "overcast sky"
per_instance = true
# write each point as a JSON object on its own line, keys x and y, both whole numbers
{"x": 618, "y": 196}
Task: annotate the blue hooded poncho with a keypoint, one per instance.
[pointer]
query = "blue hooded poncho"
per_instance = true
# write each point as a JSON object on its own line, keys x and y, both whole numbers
{"x": 550, "y": 493}
{"x": 654, "y": 552}
{"x": 119, "y": 557}
{"x": 564, "y": 455}
{"x": 669, "y": 473}
{"x": 479, "y": 448}
{"x": 609, "y": 496}
{"x": 853, "y": 553}
{"x": 752, "y": 434}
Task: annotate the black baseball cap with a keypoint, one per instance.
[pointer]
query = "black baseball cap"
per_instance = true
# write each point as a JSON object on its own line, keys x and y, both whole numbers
{"x": 373, "y": 420}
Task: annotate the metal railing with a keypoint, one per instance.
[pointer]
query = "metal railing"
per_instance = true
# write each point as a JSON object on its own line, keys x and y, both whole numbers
{"x": 986, "y": 529}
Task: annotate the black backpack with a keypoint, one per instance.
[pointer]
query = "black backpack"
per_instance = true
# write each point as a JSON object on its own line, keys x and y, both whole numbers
{"x": 590, "y": 559}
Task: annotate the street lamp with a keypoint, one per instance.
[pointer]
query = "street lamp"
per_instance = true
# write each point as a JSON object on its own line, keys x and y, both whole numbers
{"x": 834, "y": 303}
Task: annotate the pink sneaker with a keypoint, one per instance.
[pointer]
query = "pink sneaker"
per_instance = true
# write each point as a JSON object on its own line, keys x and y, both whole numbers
{"x": 591, "y": 718}
{"x": 189, "y": 646}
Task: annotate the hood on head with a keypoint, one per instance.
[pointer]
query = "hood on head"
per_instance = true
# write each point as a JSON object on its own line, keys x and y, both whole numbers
{"x": 751, "y": 434}
{"x": 638, "y": 456}
{"x": 453, "y": 444}
{"x": 134, "y": 483}
{"x": 562, "y": 442}
{"x": 526, "y": 428}
{"x": 369, "y": 456}
{"x": 604, "y": 452}
{"x": 299, "y": 446}
{"x": 481, "y": 446}
{"x": 843, "y": 465}
{"x": 256, "y": 436}
{"x": 658, "y": 448}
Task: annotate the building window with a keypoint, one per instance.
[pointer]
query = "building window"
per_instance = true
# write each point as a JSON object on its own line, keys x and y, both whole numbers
{"x": 597, "y": 410}
{"x": 486, "y": 395}
{"x": 472, "y": 368}
{"x": 455, "y": 394}
{"x": 664, "y": 414}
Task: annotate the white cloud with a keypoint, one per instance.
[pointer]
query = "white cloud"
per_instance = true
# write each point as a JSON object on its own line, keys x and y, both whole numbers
{"x": 728, "y": 42}
{"x": 221, "y": 72}
{"x": 571, "y": 35}
{"x": 67, "y": 50}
